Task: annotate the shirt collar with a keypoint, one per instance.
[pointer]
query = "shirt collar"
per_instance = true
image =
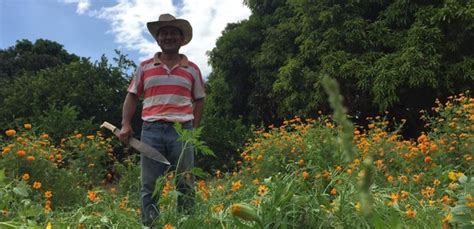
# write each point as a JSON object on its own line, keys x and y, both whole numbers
{"x": 183, "y": 62}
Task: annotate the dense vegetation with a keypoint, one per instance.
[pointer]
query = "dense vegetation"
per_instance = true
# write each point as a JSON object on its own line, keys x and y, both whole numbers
{"x": 298, "y": 175}
{"x": 287, "y": 154}
{"x": 395, "y": 56}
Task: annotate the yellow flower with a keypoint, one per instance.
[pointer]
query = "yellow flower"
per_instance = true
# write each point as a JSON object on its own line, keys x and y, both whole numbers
{"x": 25, "y": 176}
{"x": 10, "y": 132}
{"x": 262, "y": 189}
{"x": 218, "y": 207}
{"x": 357, "y": 206}
{"x": 49, "y": 226}
{"x": 27, "y": 126}
{"x": 256, "y": 181}
{"x": 37, "y": 185}
{"x": 453, "y": 186}
{"x": 448, "y": 218}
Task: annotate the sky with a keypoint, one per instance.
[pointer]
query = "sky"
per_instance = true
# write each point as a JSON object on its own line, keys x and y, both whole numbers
{"x": 91, "y": 28}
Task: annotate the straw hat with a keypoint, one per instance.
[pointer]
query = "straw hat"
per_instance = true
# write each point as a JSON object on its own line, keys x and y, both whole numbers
{"x": 169, "y": 20}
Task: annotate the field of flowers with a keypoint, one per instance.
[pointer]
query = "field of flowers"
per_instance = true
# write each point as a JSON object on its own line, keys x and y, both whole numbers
{"x": 304, "y": 174}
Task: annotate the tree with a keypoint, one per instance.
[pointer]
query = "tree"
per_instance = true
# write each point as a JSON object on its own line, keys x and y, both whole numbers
{"x": 80, "y": 89}
{"x": 395, "y": 56}
{"x": 26, "y": 56}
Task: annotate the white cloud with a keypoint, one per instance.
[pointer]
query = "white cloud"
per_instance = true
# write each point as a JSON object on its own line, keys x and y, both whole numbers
{"x": 82, "y": 5}
{"x": 208, "y": 18}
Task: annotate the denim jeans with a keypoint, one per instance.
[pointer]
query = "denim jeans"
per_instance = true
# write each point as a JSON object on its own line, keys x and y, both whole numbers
{"x": 164, "y": 138}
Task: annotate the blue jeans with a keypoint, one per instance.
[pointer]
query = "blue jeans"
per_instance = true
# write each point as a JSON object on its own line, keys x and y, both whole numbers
{"x": 164, "y": 138}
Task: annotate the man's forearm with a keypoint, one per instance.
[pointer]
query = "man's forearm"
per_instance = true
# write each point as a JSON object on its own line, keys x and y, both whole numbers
{"x": 129, "y": 107}
{"x": 197, "y": 112}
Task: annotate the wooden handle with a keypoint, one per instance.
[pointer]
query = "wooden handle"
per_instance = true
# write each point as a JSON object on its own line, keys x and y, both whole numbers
{"x": 108, "y": 126}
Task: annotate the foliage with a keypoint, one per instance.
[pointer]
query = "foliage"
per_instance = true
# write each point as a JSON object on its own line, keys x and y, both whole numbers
{"x": 224, "y": 137}
{"x": 85, "y": 92}
{"x": 26, "y": 56}
{"x": 395, "y": 56}
{"x": 291, "y": 176}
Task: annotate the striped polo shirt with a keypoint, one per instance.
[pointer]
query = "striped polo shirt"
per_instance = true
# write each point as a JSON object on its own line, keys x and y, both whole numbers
{"x": 168, "y": 93}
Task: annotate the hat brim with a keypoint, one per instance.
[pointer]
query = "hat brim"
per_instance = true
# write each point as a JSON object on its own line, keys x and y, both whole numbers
{"x": 181, "y": 24}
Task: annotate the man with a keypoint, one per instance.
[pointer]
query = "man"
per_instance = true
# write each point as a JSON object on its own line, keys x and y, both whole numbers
{"x": 173, "y": 91}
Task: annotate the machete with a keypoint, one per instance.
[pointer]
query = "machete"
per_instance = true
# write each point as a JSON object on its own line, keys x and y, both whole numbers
{"x": 141, "y": 147}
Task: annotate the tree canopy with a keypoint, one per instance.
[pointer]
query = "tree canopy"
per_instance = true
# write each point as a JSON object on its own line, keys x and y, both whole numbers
{"x": 57, "y": 90}
{"x": 395, "y": 56}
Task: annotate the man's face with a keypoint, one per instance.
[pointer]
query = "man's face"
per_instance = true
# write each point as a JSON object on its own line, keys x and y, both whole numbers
{"x": 170, "y": 38}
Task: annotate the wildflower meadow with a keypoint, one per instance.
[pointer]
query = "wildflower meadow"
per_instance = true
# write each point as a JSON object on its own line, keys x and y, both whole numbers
{"x": 306, "y": 173}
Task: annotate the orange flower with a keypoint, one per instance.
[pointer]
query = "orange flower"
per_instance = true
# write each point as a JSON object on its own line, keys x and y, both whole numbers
{"x": 25, "y": 176}
{"x": 301, "y": 162}
{"x": 422, "y": 138}
{"x": 236, "y": 185}
{"x": 92, "y": 196}
{"x": 6, "y": 150}
{"x": 27, "y": 126}
{"x": 390, "y": 179}
{"x": 427, "y": 159}
{"x": 333, "y": 191}
{"x": 168, "y": 226}
{"x": 37, "y": 185}
{"x": 48, "y": 195}
{"x": 21, "y": 153}
{"x": 256, "y": 201}
{"x": 10, "y": 132}
{"x": 326, "y": 175}
{"x": 259, "y": 157}
{"x": 30, "y": 158}
{"x": 468, "y": 157}
{"x": 410, "y": 213}
{"x": 394, "y": 198}
{"x": 305, "y": 175}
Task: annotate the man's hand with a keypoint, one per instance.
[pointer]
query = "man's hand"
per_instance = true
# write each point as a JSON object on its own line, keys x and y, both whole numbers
{"x": 125, "y": 133}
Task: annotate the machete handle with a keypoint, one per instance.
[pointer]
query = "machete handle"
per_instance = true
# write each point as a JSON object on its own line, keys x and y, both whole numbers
{"x": 109, "y": 126}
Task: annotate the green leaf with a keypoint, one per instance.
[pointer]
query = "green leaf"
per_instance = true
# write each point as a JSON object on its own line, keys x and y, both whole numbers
{"x": 462, "y": 179}
{"x": 2, "y": 176}
{"x": 22, "y": 191}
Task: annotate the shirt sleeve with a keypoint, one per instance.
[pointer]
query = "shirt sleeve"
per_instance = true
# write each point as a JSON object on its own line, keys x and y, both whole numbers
{"x": 199, "y": 91}
{"x": 136, "y": 85}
